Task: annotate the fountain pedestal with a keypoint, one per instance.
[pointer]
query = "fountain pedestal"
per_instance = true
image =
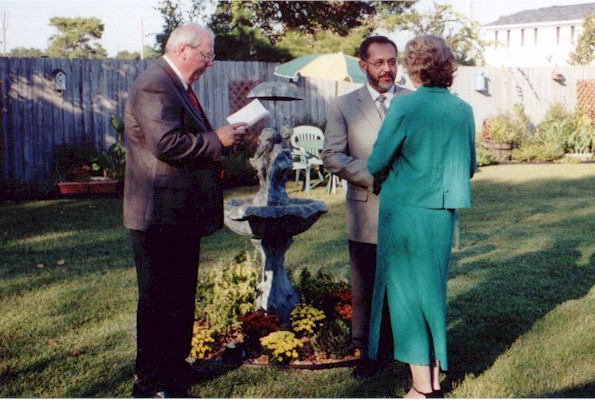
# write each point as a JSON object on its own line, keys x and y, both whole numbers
{"x": 275, "y": 293}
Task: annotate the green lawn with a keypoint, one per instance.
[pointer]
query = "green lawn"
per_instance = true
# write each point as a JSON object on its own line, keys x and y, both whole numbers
{"x": 521, "y": 298}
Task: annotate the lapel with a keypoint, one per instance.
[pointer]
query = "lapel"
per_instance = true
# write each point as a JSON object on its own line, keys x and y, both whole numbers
{"x": 184, "y": 97}
{"x": 367, "y": 108}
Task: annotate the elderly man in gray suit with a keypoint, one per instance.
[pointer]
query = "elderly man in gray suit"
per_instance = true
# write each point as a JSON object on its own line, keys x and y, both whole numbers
{"x": 352, "y": 126}
{"x": 172, "y": 198}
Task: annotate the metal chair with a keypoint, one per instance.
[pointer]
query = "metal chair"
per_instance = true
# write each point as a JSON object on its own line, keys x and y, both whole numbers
{"x": 308, "y": 140}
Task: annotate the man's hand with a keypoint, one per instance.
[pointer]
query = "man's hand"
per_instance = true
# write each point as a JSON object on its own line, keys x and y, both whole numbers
{"x": 230, "y": 135}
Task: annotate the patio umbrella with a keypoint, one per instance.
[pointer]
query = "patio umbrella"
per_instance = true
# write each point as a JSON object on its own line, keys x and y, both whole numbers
{"x": 333, "y": 66}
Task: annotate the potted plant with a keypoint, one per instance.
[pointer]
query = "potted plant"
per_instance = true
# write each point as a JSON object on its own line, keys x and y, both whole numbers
{"x": 111, "y": 162}
{"x": 505, "y": 130}
{"x": 83, "y": 169}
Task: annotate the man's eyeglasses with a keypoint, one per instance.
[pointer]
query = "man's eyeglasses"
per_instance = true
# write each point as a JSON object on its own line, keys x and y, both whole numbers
{"x": 205, "y": 56}
{"x": 379, "y": 64}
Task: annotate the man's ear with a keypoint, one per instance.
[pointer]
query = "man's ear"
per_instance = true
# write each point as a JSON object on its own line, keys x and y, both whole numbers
{"x": 362, "y": 66}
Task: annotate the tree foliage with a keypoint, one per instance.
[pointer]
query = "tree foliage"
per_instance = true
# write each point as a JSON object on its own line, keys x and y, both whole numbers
{"x": 461, "y": 33}
{"x": 149, "y": 54}
{"x": 280, "y": 30}
{"x": 75, "y": 38}
{"x": 298, "y": 43}
{"x": 238, "y": 39}
{"x": 276, "y": 18}
{"x": 584, "y": 53}
{"x": 172, "y": 18}
{"x": 27, "y": 52}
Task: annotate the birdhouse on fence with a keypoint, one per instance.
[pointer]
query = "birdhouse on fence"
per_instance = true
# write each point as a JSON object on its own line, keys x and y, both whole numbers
{"x": 480, "y": 82}
{"x": 59, "y": 80}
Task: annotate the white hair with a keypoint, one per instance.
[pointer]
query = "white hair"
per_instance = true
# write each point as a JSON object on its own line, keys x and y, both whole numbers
{"x": 190, "y": 34}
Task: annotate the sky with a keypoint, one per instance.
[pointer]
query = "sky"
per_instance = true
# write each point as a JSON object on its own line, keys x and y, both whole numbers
{"x": 129, "y": 24}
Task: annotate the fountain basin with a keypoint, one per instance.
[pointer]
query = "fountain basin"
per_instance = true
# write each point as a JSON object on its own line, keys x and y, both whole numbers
{"x": 259, "y": 222}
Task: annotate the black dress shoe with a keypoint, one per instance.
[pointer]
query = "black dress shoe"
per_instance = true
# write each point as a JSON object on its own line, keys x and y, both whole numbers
{"x": 434, "y": 394}
{"x": 366, "y": 368}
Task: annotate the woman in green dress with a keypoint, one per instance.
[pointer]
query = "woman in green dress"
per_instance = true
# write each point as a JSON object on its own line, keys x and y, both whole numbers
{"x": 422, "y": 163}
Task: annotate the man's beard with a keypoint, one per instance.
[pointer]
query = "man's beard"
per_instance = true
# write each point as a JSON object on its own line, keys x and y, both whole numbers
{"x": 382, "y": 85}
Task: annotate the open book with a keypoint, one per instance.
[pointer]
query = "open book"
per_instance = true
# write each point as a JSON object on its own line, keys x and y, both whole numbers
{"x": 251, "y": 113}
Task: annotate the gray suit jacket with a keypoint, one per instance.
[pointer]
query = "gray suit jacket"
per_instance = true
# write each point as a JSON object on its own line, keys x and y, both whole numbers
{"x": 352, "y": 126}
{"x": 173, "y": 157}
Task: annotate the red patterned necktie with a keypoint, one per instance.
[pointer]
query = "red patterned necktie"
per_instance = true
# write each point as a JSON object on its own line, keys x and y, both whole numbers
{"x": 193, "y": 97}
{"x": 198, "y": 107}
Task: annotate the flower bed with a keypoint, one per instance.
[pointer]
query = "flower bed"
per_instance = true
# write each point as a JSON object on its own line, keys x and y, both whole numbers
{"x": 228, "y": 329}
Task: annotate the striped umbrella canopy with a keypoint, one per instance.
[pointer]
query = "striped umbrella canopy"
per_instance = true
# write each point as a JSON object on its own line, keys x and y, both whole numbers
{"x": 333, "y": 66}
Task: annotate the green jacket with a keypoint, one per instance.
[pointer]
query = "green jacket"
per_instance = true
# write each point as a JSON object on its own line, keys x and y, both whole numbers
{"x": 425, "y": 152}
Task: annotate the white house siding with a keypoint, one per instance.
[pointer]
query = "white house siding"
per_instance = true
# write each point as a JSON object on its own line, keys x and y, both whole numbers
{"x": 552, "y": 47}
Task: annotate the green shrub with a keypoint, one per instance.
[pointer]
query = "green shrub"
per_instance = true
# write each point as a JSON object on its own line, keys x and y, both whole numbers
{"x": 224, "y": 295}
{"x": 534, "y": 151}
{"x": 238, "y": 171}
{"x": 314, "y": 289}
{"x": 509, "y": 127}
{"x": 333, "y": 340}
{"x": 582, "y": 137}
{"x": 573, "y": 132}
{"x": 73, "y": 161}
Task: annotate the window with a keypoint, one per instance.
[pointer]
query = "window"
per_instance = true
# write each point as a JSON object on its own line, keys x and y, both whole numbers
{"x": 522, "y": 37}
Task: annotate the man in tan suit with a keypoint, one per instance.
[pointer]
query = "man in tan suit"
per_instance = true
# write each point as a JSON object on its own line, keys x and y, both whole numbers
{"x": 352, "y": 127}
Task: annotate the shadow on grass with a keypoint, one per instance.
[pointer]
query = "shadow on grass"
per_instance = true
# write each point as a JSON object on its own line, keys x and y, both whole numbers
{"x": 514, "y": 294}
{"x": 586, "y": 391}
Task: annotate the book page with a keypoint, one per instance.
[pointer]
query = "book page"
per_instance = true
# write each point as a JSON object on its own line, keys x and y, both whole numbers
{"x": 251, "y": 113}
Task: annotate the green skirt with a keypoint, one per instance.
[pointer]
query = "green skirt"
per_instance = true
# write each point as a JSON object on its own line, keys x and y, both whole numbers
{"x": 413, "y": 252}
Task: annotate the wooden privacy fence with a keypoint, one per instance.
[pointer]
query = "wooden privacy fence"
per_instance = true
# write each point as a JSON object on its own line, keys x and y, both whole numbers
{"x": 36, "y": 117}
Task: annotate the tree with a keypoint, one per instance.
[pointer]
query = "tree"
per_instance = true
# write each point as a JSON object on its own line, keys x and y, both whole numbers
{"x": 299, "y": 43}
{"x": 24, "y": 52}
{"x": 276, "y": 18}
{"x": 460, "y": 33}
{"x": 255, "y": 30}
{"x": 75, "y": 38}
{"x": 238, "y": 39}
{"x": 149, "y": 54}
{"x": 584, "y": 53}
{"x": 172, "y": 18}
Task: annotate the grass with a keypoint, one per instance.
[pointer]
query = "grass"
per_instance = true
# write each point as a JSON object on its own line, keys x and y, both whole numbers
{"x": 521, "y": 298}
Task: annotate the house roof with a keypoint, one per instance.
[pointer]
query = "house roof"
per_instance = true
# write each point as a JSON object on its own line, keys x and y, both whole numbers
{"x": 547, "y": 14}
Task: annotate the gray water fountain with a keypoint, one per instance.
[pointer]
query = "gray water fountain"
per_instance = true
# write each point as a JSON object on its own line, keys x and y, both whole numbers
{"x": 271, "y": 219}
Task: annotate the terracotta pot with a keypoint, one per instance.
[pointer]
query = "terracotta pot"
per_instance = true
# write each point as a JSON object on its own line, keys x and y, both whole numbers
{"x": 502, "y": 151}
{"x": 94, "y": 186}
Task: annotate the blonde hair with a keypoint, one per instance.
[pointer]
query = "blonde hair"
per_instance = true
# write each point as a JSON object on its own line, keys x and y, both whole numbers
{"x": 429, "y": 61}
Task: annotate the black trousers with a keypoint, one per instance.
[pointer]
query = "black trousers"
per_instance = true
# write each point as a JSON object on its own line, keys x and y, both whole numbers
{"x": 362, "y": 260}
{"x": 167, "y": 267}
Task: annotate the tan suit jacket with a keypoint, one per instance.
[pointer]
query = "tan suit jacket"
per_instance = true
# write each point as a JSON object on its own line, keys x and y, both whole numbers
{"x": 352, "y": 127}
